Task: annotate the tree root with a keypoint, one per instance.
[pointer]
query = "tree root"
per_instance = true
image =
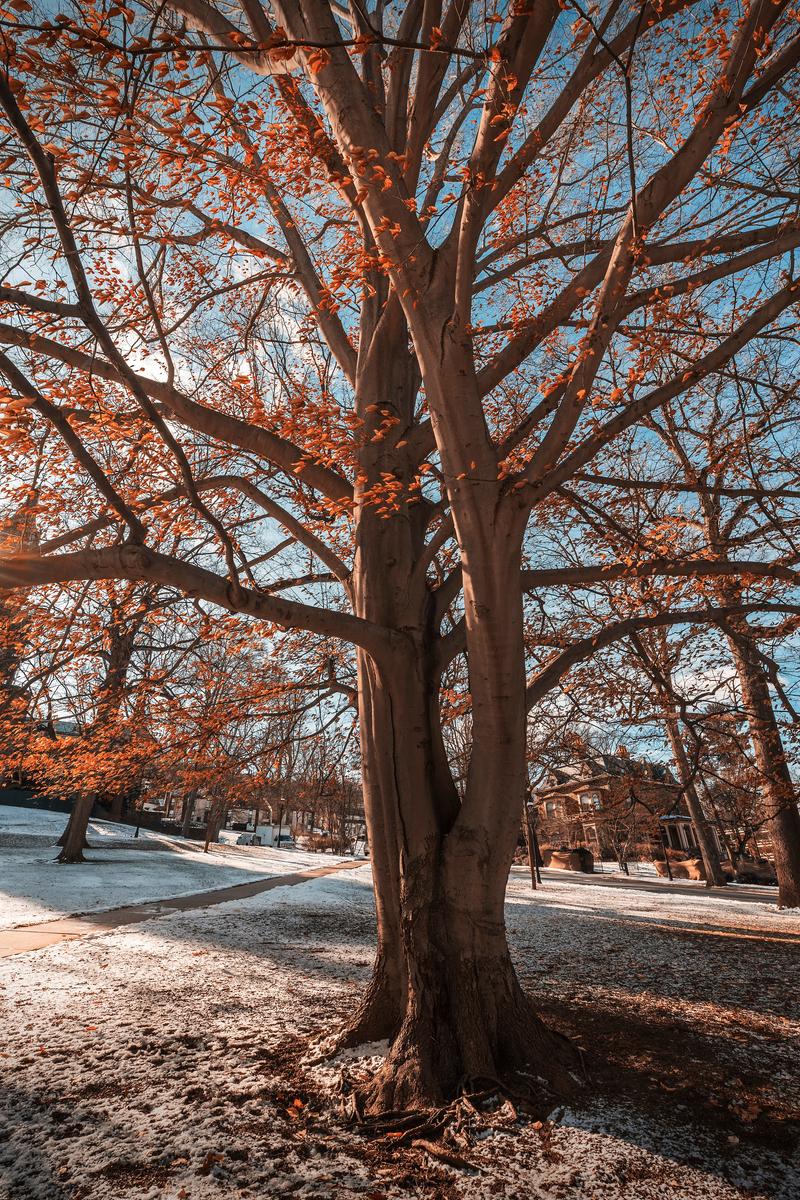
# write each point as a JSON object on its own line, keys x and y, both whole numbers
{"x": 70, "y": 859}
{"x": 475, "y": 1109}
{"x": 445, "y": 1156}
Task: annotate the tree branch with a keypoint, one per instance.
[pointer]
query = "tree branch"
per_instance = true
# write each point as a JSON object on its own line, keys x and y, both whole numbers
{"x": 140, "y": 563}
{"x": 551, "y": 675}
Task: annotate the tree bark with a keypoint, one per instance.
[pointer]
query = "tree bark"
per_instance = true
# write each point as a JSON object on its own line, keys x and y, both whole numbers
{"x": 467, "y": 1021}
{"x": 73, "y": 840}
{"x": 188, "y": 810}
{"x": 705, "y": 839}
{"x": 780, "y": 798}
{"x": 116, "y": 808}
{"x": 530, "y": 843}
{"x": 405, "y": 778}
{"x": 465, "y": 1017}
{"x": 215, "y": 821}
{"x": 398, "y": 780}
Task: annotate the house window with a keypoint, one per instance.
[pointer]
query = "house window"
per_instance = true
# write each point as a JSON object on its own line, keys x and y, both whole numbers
{"x": 590, "y": 800}
{"x": 550, "y": 808}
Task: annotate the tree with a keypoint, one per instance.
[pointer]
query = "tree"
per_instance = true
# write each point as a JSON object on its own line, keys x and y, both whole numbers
{"x": 726, "y": 487}
{"x": 101, "y": 742}
{"x": 12, "y": 700}
{"x": 724, "y": 533}
{"x": 655, "y": 658}
{"x": 723, "y": 759}
{"x": 17, "y": 532}
{"x": 377, "y": 285}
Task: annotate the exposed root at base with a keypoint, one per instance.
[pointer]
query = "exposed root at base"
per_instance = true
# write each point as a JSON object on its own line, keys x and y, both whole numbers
{"x": 458, "y": 1124}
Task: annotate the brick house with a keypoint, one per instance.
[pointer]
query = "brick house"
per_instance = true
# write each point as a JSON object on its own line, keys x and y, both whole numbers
{"x": 615, "y": 805}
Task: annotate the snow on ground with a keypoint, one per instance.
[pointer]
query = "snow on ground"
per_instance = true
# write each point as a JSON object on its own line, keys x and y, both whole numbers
{"x": 170, "y": 1060}
{"x": 635, "y": 869}
{"x": 25, "y": 826}
{"x": 120, "y": 869}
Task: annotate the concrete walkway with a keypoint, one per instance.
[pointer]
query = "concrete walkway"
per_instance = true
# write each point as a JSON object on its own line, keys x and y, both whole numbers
{"x": 751, "y": 893}
{"x": 25, "y": 938}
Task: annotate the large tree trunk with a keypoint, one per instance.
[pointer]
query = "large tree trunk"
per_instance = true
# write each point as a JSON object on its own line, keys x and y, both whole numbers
{"x": 466, "y": 1019}
{"x": 705, "y": 838}
{"x": 467, "y": 1022}
{"x": 406, "y": 785}
{"x": 779, "y": 796}
{"x": 444, "y": 988}
{"x": 379, "y": 1013}
{"x": 73, "y": 840}
{"x": 398, "y": 702}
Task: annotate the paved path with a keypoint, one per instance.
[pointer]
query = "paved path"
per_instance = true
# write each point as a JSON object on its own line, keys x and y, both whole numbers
{"x": 25, "y": 938}
{"x": 753, "y": 894}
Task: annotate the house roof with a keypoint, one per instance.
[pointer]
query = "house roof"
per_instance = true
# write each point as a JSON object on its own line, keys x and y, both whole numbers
{"x": 597, "y": 769}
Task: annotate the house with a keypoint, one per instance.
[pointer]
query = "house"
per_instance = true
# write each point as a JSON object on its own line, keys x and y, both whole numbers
{"x": 615, "y": 805}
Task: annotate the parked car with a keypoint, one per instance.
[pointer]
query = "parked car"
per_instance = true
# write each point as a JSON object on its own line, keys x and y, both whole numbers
{"x": 248, "y": 839}
{"x": 285, "y": 841}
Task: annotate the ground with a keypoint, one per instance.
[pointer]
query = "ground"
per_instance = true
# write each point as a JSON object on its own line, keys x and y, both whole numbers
{"x": 176, "y": 1059}
{"x": 123, "y": 869}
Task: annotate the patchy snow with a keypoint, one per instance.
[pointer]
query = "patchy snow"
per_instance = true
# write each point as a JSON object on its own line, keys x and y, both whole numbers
{"x": 119, "y": 869}
{"x": 27, "y": 826}
{"x": 563, "y": 888}
{"x": 171, "y": 1060}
